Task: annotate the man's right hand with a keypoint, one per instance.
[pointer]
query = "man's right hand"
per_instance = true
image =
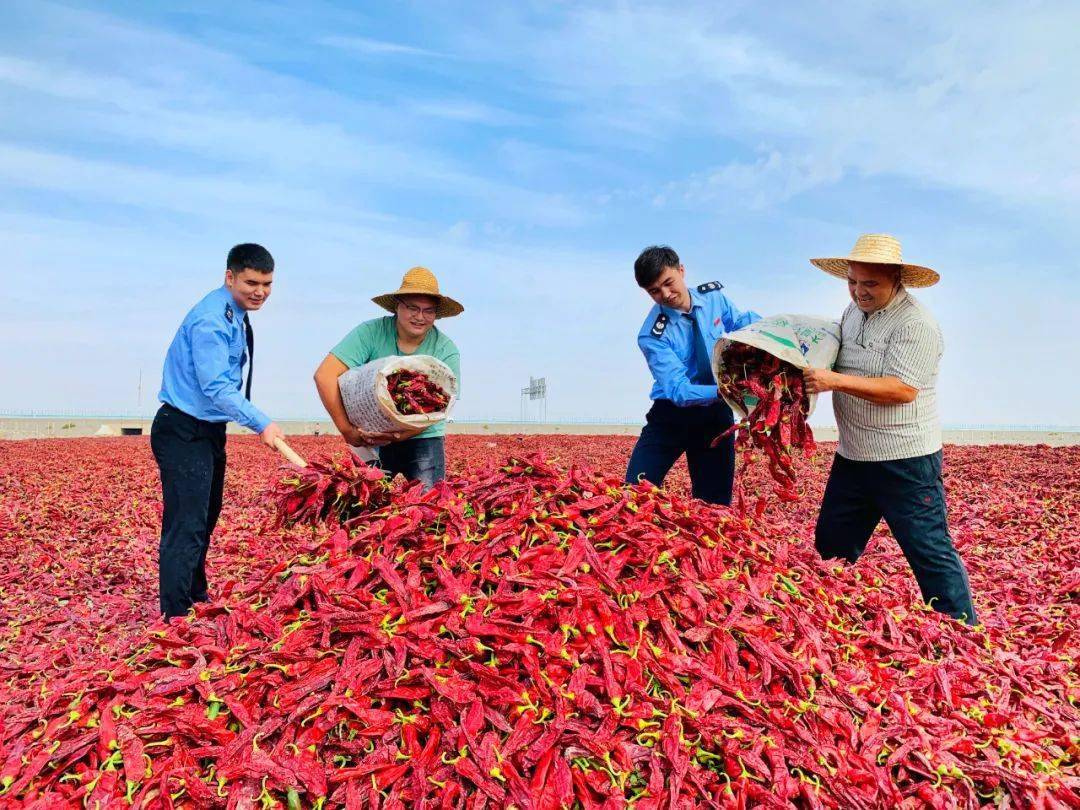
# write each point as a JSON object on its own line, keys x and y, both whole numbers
{"x": 270, "y": 434}
{"x": 819, "y": 380}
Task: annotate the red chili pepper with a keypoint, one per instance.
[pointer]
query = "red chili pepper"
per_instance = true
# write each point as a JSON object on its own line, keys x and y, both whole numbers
{"x": 776, "y": 423}
{"x": 530, "y": 635}
{"x": 414, "y": 392}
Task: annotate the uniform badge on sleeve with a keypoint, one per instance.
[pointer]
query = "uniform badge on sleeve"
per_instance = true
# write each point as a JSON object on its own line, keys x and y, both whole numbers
{"x": 660, "y": 325}
{"x": 709, "y": 286}
{"x": 228, "y": 313}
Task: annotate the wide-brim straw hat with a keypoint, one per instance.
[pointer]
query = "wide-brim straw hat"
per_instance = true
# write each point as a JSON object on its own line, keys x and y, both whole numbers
{"x": 879, "y": 248}
{"x": 420, "y": 281}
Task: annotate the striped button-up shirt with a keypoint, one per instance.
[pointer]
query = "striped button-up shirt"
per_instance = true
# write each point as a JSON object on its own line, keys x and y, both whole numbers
{"x": 902, "y": 340}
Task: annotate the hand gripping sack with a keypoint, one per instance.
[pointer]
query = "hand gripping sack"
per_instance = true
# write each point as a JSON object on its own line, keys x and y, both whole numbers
{"x": 367, "y": 399}
{"x": 802, "y": 340}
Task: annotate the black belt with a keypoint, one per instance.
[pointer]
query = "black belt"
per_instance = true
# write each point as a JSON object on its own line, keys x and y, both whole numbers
{"x": 165, "y": 406}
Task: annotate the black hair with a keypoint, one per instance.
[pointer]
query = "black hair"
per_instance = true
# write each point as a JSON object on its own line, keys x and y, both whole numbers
{"x": 651, "y": 263}
{"x": 250, "y": 256}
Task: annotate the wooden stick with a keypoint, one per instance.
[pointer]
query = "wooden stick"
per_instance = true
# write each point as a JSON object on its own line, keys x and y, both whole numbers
{"x": 290, "y": 454}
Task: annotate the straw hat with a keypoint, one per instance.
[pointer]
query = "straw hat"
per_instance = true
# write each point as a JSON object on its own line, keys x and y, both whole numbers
{"x": 879, "y": 248}
{"x": 420, "y": 281}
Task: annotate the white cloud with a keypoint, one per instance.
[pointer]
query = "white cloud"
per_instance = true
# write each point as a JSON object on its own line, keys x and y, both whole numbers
{"x": 63, "y": 82}
{"x": 291, "y": 136}
{"x": 378, "y": 47}
{"x": 771, "y": 179}
{"x": 469, "y": 112}
{"x": 976, "y": 99}
{"x": 201, "y": 195}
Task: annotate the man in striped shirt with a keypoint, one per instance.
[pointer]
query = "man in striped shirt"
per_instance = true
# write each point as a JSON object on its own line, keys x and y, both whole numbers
{"x": 888, "y": 462}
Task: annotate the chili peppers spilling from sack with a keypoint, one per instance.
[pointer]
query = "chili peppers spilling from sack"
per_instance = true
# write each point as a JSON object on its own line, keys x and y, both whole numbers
{"x": 545, "y": 638}
{"x": 415, "y": 392}
{"x": 775, "y": 399}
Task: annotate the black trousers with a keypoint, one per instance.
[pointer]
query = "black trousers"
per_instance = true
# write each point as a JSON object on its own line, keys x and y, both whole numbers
{"x": 910, "y": 495}
{"x": 190, "y": 454}
{"x": 671, "y": 431}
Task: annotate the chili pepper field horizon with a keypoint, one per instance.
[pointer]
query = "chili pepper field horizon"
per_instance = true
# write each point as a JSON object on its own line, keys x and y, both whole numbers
{"x": 79, "y": 522}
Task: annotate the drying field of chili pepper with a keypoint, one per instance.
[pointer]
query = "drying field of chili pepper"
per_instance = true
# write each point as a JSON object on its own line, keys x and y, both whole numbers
{"x": 534, "y": 634}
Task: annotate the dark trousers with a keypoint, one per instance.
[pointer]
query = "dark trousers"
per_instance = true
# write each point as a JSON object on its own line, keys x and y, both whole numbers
{"x": 910, "y": 495}
{"x": 190, "y": 454}
{"x": 671, "y": 431}
{"x": 421, "y": 460}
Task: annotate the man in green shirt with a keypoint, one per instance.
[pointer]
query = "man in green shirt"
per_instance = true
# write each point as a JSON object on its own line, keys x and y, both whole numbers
{"x": 410, "y": 329}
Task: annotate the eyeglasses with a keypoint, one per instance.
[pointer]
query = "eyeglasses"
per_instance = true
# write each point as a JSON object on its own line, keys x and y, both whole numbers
{"x": 412, "y": 309}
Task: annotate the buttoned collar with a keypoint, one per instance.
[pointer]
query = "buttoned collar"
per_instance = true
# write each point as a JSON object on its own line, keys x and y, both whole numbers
{"x": 238, "y": 311}
{"x": 696, "y": 300}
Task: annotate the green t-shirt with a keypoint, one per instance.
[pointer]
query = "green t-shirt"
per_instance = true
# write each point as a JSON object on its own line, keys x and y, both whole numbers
{"x": 378, "y": 338}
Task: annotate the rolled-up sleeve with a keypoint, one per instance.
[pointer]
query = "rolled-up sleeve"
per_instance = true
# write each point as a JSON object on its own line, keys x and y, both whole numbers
{"x": 210, "y": 348}
{"x": 912, "y": 354}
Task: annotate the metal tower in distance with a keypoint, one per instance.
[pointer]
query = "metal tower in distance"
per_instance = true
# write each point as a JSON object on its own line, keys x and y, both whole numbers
{"x": 536, "y": 391}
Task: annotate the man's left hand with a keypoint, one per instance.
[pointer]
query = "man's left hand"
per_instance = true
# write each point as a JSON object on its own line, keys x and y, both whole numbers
{"x": 819, "y": 380}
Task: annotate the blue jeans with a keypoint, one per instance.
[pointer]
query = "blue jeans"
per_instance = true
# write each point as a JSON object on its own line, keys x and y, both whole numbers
{"x": 671, "y": 431}
{"x": 910, "y": 495}
{"x": 421, "y": 460}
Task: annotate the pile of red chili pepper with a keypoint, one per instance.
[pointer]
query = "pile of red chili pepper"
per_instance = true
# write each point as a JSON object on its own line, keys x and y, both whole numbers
{"x": 538, "y": 637}
{"x": 415, "y": 392}
{"x": 775, "y": 399}
{"x": 334, "y": 490}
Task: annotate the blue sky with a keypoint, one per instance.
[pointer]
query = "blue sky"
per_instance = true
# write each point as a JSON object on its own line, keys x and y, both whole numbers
{"x": 526, "y": 152}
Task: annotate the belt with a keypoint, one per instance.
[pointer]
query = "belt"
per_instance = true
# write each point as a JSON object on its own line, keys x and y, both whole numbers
{"x": 165, "y": 406}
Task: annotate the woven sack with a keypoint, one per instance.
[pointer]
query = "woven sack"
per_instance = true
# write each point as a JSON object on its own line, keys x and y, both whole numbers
{"x": 802, "y": 340}
{"x": 367, "y": 399}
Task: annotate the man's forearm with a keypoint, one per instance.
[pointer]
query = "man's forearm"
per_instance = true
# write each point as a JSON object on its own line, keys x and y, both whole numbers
{"x": 330, "y": 395}
{"x": 879, "y": 390}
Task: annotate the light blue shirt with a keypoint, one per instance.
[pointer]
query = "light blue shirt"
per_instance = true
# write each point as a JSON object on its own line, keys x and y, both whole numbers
{"x": 680, "y": 361}
{"x": 204, "y": 366}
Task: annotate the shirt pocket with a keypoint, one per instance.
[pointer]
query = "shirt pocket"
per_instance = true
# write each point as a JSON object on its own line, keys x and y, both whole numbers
{"x": 237, "y": 347}
{"x": 713, "y": 333}
{"x": 868, "y": 360}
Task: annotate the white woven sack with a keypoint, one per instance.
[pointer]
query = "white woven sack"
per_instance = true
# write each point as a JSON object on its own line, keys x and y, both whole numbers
{"x": 367, "y": 399}
{"x": 802, "y": 340}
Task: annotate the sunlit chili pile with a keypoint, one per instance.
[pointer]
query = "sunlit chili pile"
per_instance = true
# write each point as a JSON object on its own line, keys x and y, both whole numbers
{"x": 415, "y": 392}
{"x": 334, "y": 490}
{"x": 535, "y": 637}
{"x": 777, "y": 408}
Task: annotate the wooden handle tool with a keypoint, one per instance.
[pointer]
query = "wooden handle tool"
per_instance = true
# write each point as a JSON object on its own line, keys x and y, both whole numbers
{"x": 289, "y": 453}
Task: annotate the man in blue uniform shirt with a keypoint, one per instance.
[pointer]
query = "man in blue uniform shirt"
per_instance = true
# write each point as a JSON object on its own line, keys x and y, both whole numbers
{"x": 200, "y": 393}
{"x": 677, "y": 340}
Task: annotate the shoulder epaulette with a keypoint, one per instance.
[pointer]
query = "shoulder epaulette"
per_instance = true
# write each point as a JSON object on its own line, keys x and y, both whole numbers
{"x": 709, "y": 286}
{"x": 659, "y": 325}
